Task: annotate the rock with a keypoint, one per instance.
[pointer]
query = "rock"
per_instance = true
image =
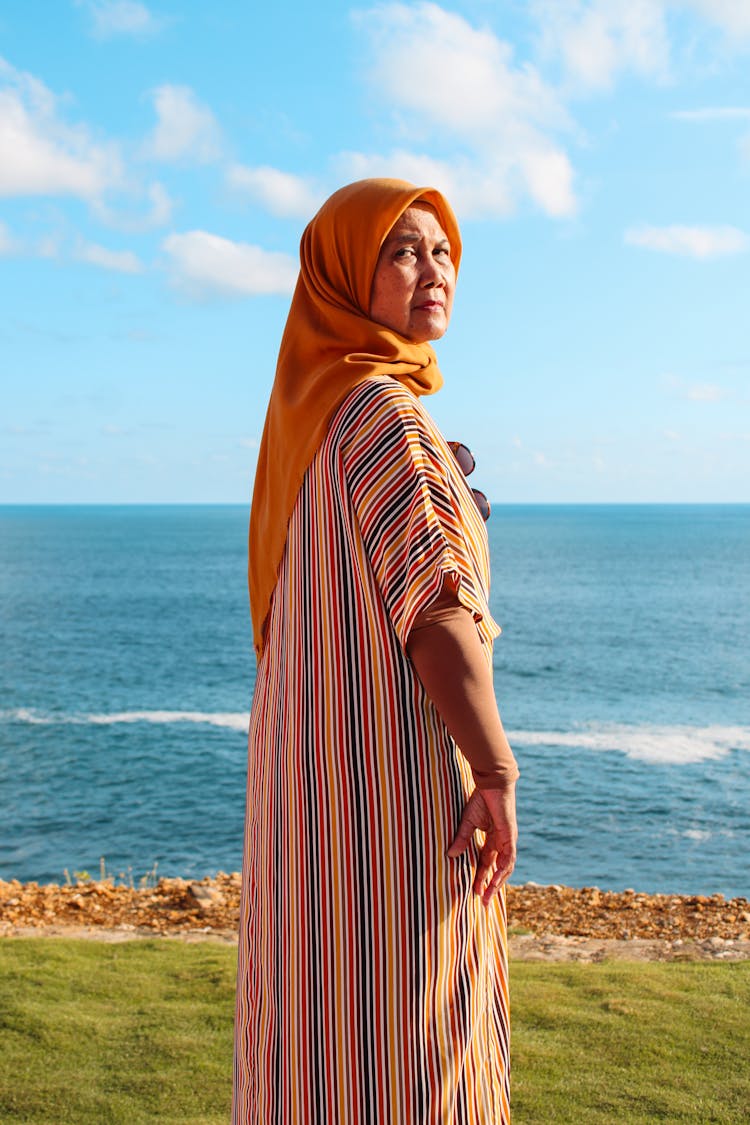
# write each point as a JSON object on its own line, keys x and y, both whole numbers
{"x": 206, "y": 897}
{"x": 677, "y": 925}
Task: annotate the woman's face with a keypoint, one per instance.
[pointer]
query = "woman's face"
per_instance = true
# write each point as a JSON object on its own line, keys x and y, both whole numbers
{"x": 414, "y": 279}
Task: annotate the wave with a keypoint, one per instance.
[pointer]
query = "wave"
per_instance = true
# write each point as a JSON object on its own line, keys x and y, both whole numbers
{"x": 231, "y": 720}
{"x": 676, "y": 745}
{"x": 670, "y": 745}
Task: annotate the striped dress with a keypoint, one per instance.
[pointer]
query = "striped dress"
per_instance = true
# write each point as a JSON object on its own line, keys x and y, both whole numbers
{"x": 372, "y": 985}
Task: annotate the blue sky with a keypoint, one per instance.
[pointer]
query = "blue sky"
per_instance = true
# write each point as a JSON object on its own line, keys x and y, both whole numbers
{"x": 158, "y": 163}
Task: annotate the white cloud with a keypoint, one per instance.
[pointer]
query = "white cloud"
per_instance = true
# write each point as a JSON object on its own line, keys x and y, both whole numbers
{"x": 713, "y": 113}
{"x": 719, "y": 113}
{"x": 485, "y": 186}
{"x": 696, "y": 392}
{"x": 402, "y": 165}
{"x": 42, "y": 155}
{"x": 48, "y": 246}
{"x": 8, "y": 244}
{"x": 475, "y": 190}
{"x": 467, "y": 79}
{"x": 185, "y": 129}
{"x": 122, "y": 261}
{"x": 281, "y": 193}
{"x": 204, "y": 264}
{"x": 596, "y": 40}
{"x": 159, "y": 214}
{"x": 692, "y": 242}
{"x": 548, "y": 175}
{"x": 464, "y": 85}
{"x": 492, "y": 122}
{"x": 706, "y": 392}
{"x": 110, "y": 18}
{"x": 732, "y": 16}
{"x": 161, "y": 206}
{"x": 471, "y": 190}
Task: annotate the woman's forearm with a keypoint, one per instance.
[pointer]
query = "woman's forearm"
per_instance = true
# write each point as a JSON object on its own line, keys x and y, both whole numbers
{"x": 448, "y": 658}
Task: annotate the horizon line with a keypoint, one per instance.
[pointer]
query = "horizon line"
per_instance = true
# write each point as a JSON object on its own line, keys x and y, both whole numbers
{"x": 495, "y": 503}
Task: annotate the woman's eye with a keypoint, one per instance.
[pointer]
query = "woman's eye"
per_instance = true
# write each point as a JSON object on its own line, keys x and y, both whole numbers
{"x": 404, "y": 252}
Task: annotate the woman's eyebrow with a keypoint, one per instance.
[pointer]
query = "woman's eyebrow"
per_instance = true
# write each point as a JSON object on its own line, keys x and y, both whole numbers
{"x": 415, "y": 236}
{"x": 408, "y": 236}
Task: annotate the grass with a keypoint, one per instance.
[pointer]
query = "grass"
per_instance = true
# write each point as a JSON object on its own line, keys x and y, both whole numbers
{"x": 115, "y": 1033}
{"x": 142, "y": 1032}
{"x": 629, "y": 1042}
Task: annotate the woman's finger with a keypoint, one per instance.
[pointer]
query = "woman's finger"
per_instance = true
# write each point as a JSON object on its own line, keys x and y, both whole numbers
{"x": 485, "y": 866}
{"x": 461, "y": 840}
{"x": 474, "y": 817}
{"x": 502, "y": 873}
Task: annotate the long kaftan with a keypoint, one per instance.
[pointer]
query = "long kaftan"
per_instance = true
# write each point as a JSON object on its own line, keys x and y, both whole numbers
{"x": 372, "y": 982}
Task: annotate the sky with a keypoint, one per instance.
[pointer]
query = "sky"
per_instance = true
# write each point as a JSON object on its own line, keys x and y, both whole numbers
{"x": 159, "y": 161}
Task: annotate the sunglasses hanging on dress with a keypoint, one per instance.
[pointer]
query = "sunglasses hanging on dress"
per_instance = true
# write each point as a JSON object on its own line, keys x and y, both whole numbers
{"x": 467, "y": 464}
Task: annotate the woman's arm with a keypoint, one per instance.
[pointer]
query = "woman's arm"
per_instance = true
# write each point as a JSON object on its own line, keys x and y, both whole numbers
{"x": 446, "y": 651}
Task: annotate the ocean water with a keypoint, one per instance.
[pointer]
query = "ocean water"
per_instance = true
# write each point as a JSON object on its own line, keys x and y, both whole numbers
{"x": 623, "y": 675}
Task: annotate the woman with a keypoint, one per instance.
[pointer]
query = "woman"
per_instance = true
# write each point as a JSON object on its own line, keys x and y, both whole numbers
{"x": 372, "y": 982}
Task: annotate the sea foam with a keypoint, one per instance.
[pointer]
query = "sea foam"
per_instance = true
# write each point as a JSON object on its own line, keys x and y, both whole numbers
{"x": 232, "y": 720}
{"x": 675, "y": 745}
{"x": 671, "y": 745}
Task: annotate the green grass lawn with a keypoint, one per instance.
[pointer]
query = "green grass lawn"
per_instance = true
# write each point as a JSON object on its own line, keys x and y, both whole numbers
{"x": 142, "y": 1032}
{"x": 99, "y": 1033}
{"x": 631, "y": 1043}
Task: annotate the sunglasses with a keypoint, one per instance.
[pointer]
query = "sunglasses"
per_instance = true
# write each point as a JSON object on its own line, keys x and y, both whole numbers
{"x": 467, "y": 465}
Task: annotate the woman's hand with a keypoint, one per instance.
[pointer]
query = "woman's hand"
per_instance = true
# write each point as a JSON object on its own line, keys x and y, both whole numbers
{"x": 492, "y": 811}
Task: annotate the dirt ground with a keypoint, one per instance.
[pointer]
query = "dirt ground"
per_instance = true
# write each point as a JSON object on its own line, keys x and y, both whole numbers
{"x": 546, "y": 923}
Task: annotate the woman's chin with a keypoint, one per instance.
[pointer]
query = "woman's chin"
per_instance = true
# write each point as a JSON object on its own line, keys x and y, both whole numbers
{"x": 425, "y": 333}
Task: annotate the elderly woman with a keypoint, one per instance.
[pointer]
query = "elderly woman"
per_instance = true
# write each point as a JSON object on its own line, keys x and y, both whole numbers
{"x": 372, "y": 982}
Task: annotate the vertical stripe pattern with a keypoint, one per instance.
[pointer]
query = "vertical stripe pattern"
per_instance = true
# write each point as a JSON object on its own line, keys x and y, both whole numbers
{"x": 372, "y": 983}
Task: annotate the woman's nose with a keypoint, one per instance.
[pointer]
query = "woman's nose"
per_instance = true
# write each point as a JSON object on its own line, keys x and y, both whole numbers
{"x": 432, "y": 273}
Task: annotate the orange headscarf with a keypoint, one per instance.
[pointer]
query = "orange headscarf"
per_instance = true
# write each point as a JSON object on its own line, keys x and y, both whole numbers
{"x": 328, "y": 347}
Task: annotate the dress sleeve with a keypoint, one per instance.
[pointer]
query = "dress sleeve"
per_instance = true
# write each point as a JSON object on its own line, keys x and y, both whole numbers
{"x": 416, "y": 515}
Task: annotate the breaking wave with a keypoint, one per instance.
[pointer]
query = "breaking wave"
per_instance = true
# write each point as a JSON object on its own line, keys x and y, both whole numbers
{"x": 671, "y": 745}
{"x": 676, "y": 745}
{"x": 232, "y": 720}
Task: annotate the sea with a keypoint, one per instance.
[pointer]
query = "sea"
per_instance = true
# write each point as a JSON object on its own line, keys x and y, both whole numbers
{"x": 622, "y": 674}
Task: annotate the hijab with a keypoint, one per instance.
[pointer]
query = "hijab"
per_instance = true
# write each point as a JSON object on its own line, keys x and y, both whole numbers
{"x": 329, "y": 345}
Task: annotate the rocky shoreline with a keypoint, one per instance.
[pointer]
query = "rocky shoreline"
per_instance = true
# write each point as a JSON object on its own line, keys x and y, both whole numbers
{"x": 545, "y": 922}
